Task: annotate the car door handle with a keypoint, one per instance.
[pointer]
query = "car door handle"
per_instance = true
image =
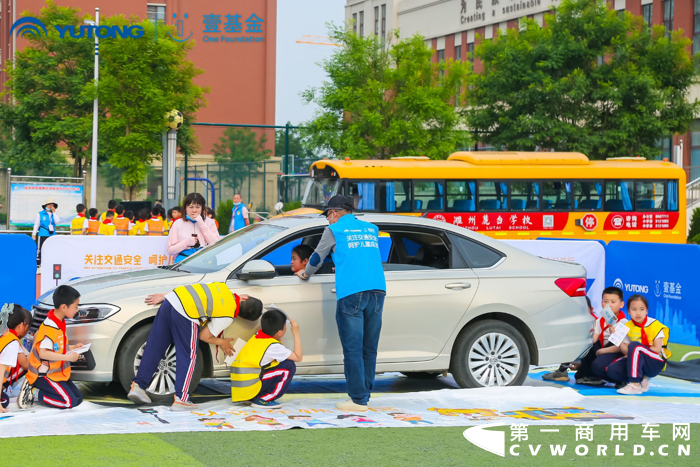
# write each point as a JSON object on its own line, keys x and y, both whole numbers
{"x": 333, "y": 290}
{"x": 458, "y": 285}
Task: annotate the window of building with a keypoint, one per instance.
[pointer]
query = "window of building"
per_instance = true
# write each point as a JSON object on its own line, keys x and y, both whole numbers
{"x": 156, "y": 12}
{"x": 694, "y": 151}
{"x": 384, "y": 21}
{"x": 470, "y": 57}
{"x": 458, "y": 51}
{"x": 668, "y": 16}
{"x": 696, "y": 27}
{"x": 441, "y": 58}
{"x": 647, "y": 12}
{"x": 376, "y": 20}
{"x": 354, "y": 23}
{"x": 362, "y": 24}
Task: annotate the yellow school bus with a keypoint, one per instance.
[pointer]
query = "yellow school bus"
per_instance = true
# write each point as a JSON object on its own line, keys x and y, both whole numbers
{"x": 516, "y": 195}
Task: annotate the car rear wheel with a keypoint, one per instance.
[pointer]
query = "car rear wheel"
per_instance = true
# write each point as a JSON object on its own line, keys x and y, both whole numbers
{"x": 162, "y": 387}
{"x": 490, "y": 353}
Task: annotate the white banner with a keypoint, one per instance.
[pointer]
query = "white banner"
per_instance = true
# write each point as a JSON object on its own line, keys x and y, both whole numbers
{"x": 589, "y": 254}
{"x": 74, "y": 256}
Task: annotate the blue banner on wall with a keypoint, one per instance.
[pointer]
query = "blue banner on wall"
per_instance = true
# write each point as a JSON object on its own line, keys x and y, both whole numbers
{"x": 18, "y": 274}
{"x": 667, "y": 275}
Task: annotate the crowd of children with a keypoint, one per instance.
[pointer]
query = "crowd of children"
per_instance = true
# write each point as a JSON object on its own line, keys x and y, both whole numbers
{"x": 631, "y": 362}
{"x": 116, "y": 220}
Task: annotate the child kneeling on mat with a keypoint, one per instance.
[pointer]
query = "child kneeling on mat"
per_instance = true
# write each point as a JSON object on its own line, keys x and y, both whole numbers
{"x": 264, "y": 368}
{"x": 14, "y": 325}
{"x": 644, "y": 348}
{"x": 48, "y": 375}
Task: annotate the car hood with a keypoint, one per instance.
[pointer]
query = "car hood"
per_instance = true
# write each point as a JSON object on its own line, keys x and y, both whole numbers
{"x": 106, "y": 288}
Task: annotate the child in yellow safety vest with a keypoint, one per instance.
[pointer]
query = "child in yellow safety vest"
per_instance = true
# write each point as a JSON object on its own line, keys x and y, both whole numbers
{"x": 93, "y": 223}
{"x": 111, "y": 206}
{"x": 644, "y": 349}
{"x": 48, "y": 376}
{"x": 14, "y": 325}
{"x": 213, "y": 307}
{"x": 140, "y": 224}
{"x": 132, "y": 225}
{"x": 107, "y": 227}
{"x": 264, "y": 368}
{"x": 121, "y": 223}
{"x": 79, "y": 225}
{"x": 155, "y": 226}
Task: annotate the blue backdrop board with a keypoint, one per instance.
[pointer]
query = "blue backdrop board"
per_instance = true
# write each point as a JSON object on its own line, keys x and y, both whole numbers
{"x": 667, "y": 275}
{"x": 18, "y": 273}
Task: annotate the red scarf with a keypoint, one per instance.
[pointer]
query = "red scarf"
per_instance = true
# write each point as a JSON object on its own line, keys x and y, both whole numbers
{"x": 604, "y": 325}
{"x": 238, "y": 305}
{"x": 12, "y": 331}
{"x": 93, "y": 218}
{"x": 120, "y": 217}
{"x": 262, "y": 335}
{"x": 645, "y": 338}
{"x": 81, "y": 214}
{"x": 107, "y": 221}
{"x": 61, "y": 325}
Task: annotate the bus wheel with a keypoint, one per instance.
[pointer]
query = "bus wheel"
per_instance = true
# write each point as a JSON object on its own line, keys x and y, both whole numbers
{"x": 490, "y": 353}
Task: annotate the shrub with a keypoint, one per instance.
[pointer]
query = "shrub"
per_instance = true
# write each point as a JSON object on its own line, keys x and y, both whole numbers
{"x": 223, "y": 215}
{"x": 694, "y": 225}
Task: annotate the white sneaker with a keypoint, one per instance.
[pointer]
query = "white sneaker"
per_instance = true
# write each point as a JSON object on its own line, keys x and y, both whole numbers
{"x": 631, "y": 390}
{"x": 350, "y": 406}
{"x": 180, "y": 406}
{"x": 645, "y": 384}
{"x": 138, "y": 395}
{"x": 26, "y": 395}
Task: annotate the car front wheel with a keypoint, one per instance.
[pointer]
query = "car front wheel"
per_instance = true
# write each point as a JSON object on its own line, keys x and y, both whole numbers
{"x": 162, "y": 387}
{"x": 490, "y": 353}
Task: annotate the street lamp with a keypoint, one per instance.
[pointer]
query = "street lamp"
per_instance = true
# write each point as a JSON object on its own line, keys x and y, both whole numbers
{"x": 93, "y": 164}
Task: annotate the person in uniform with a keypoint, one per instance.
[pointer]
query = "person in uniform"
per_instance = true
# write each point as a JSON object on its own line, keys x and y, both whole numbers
{"x": 45, "y": 225}
{"x": 79, "y": 225}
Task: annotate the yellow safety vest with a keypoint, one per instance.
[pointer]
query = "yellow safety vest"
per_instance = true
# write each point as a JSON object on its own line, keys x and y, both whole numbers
{"x": 652, "y": 328}
{"x": 246, "y": 368}
{"x": 206, "y": 301}
{"x": 5, "y": 340}
{"x": 139, "y": 228}
{"x": 76, "y": 226}
{"x": 107, "y": 229}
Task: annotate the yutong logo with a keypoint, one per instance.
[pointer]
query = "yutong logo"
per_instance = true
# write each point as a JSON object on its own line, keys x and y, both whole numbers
{"x": 630, "y": 287}
{"x": 30, "y": 26}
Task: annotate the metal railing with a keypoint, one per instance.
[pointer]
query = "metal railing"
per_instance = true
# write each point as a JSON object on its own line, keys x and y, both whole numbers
{"x": 692, "y": 193}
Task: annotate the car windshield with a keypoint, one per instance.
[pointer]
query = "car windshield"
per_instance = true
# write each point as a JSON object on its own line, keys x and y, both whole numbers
{"x": 319, "y": 190}
{"x": 224, "y": 252}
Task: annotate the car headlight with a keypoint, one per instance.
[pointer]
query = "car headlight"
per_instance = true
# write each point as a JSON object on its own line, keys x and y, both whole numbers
{"x": 92, "y": 313}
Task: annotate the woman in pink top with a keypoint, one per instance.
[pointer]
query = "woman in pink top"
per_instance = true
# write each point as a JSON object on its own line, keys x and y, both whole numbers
{"x": 193, "y": 231}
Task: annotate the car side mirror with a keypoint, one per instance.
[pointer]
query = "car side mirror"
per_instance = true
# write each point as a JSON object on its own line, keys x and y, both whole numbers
{"x": 257, "y": 269}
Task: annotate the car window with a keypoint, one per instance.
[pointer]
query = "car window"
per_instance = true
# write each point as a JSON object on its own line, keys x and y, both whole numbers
{"x": 227, "y": 250}
{"x": 476, "y": 254}
{"x": 406, "y": 248}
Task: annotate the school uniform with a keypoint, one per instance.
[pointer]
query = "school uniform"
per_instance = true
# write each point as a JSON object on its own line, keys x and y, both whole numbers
{"x": 261, "y": 370}
{"x": 177, "y": 323}
{"x": 641, "y": 361}
{"x": 52, "y": 379}
{"x": 9, "y": 350}
{"x": 597, "y": 365}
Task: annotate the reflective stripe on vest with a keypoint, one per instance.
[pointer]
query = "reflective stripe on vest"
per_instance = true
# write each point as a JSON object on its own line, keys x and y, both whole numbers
{"x": 76, "y": 226}
{"x": 5, "y": 340}
{"x": 246, "y": 369}
{"x": 57, "y": 371}
{"x": 206, "y": 301}
{"x": 93, "y": 226}
{"x": 122, "y": 225}
{"x": 155, "y": 228}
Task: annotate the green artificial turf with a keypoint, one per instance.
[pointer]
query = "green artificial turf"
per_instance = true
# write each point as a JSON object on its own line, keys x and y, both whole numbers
{"x": 331, "y": 447}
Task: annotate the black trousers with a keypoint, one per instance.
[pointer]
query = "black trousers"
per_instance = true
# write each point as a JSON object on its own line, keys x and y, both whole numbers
{"x": 40, "y": 245}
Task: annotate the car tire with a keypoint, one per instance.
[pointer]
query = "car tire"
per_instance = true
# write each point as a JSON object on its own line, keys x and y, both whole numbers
{"x": 420, "y": 374}
{"x": 129, "y": 355}
{"x": 490, "y": 353}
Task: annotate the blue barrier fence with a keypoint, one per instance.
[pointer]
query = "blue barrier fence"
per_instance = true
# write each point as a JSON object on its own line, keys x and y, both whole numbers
{"x": 18, "y": 274}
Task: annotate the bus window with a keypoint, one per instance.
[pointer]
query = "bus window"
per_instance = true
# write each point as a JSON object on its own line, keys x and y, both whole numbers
{"x": 428, "y": 195}
{"x": 524, "y": 196}
{"x": 319, "y": 190}
{"x": 362, "y": 194}
{"x": 588, "y": 196}
{"x": 395, "y": 196}
{"x": 493, "y": 196}
{"x": 556, "y": 196}
{"x": 618, "y": 195}
{"x": 673, "y": 195}
{"x": 461, "y": 196}
{"x": 649, "y": 196}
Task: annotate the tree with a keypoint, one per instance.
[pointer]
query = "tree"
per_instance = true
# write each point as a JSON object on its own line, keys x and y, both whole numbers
{"x": 299, "y": 146}
{"x": 141, "y": 80}
{"x": 385, "y": 100}
{"x": 592, "y": 80}
{"x": 239, "y": 149}
{"x": 45, "y": 82}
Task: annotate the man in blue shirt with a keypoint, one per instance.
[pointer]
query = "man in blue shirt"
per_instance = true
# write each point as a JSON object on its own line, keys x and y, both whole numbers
{"x": 360, "y": 291}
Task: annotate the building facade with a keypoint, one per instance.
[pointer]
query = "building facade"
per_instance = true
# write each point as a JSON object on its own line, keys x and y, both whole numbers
{"x": 234, "y": 43}
{"x": 454, "y": 27}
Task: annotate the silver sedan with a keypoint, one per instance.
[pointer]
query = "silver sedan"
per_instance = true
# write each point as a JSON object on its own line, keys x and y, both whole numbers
{"x": 456, "y": 301}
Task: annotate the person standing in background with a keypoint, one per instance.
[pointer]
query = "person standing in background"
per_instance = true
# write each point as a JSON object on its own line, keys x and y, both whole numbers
{"x": 79, "y": 225}
{"x": 239, "y": 214}
{"x": 111, "y": 206}
{"x": 45, "y": 225}
{"x": 191, "y": 233}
